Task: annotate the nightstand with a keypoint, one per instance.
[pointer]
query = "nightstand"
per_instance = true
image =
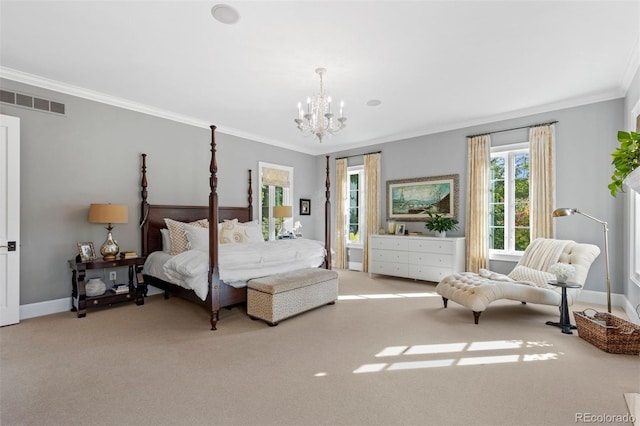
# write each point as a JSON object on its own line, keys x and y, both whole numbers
{"x": 80, "y": 302}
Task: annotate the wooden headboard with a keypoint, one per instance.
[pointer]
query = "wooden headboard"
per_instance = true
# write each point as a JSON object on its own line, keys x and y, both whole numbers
{"x": 151, "y": 237}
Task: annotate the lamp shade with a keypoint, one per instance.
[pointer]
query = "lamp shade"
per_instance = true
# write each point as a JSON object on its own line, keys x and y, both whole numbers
{"x": 108, "y": 213}
{"x": 563, "y": 211}
{"x": 282, "y": 211}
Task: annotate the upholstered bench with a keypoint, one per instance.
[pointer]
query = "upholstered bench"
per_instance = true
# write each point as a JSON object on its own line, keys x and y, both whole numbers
{"x": 281, "y": 296}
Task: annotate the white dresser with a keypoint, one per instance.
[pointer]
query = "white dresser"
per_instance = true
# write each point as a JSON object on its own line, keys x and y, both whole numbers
{"x": 420, "y": 258}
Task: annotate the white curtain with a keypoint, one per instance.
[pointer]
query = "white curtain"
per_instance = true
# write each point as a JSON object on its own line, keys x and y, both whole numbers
{"x": 477, "y": 219}
{"x": 371, "y": 203}
{"x": 542, "y": 181}
{"x": 341, "y": 212}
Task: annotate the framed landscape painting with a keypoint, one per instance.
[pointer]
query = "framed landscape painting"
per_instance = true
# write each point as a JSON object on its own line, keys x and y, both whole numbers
{"x": 413, "y": 199}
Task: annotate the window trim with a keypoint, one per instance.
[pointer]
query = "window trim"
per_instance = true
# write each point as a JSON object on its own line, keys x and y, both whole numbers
{"x": 287, "y": 197}
{"x": 359, "y": 169}
{"x": 634, "y": 243}
{"x": 634, "y": 212}
{"x": 509, "y": 255}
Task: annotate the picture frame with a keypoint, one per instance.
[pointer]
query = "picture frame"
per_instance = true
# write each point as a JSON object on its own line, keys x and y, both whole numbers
{"x": 400, "y": 228}
{"x": 305, "y": 207}
{"x": 86, "y": 251}
{"x": 413, "y": 199}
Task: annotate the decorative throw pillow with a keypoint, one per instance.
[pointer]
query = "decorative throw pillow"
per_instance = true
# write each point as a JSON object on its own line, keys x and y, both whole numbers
{"x": 535, "y": 276}
{"x": 179, "y": 242}
{"x": 225, "y": 231}
{"x": 232, "y": 232}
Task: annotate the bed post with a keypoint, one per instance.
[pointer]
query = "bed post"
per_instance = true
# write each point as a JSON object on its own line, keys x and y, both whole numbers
{"x": 144, "y": 207}
{"x": 327, "y": 219}
{"x": 213, "y": 234}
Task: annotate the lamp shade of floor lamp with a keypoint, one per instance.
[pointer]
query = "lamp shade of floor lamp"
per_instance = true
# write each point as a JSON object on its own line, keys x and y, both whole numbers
{"x": 109, "y": 214}
{"x": 564, "y": 211}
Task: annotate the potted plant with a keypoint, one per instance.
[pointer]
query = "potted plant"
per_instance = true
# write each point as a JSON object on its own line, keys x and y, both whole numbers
{"x": 626, "y": 159}
{"x": 440, "y": 224}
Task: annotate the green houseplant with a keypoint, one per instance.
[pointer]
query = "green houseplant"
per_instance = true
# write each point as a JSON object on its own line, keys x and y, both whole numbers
{"x": 441, "y": 224}
{"x": 625, "y": 159}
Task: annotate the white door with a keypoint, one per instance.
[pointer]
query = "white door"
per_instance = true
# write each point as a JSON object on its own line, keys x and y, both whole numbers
{"x": 9, "y": 220}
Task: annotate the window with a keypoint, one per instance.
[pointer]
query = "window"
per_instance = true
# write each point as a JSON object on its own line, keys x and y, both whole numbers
{"x": 276, "y": 189}
{"x": 509, "y": 231}
{"x": 355, "y": 176}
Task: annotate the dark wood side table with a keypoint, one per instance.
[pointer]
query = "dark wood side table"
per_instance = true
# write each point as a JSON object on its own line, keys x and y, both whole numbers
{"x": 79, "y": 299}
{"x": 565, "y": 320}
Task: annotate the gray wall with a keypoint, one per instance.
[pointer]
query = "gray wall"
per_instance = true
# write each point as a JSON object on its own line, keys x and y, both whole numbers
{"x": 92, "y": 155}
{"x": 585, "y": 138}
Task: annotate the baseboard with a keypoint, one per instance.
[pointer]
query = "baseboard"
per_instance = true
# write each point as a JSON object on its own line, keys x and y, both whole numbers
{"x": 355, "y": 266}
{"x": 633, "y": 313}
{"x": 49, "y": 307}
{"x": 45, "y": 308}
{"x": 600, "y": 298}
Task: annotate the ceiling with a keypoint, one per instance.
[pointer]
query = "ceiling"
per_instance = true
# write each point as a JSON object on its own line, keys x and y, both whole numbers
{"x": 434, "y": 65}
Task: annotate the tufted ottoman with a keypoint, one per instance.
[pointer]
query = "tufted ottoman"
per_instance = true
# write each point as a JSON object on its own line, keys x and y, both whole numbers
{"x": 281, "y": 296}
{"x": 469, "y": 290}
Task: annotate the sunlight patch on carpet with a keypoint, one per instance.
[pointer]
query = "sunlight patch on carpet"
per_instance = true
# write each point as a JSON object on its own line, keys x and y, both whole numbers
{"x": 460, "y": 348}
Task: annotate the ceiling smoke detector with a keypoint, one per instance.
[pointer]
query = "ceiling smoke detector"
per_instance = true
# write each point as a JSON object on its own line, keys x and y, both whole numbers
{"x": 225, "y": 14}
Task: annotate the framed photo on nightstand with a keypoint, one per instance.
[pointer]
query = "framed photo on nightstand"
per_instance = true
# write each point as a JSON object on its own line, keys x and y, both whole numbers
{"x": 86, "y": 251}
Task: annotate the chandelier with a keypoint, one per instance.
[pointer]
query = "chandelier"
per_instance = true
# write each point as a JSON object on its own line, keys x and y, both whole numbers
{"x": 319, "y": 120}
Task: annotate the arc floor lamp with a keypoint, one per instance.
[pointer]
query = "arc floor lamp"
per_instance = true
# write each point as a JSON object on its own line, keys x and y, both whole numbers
{"x": 564, "y": 211}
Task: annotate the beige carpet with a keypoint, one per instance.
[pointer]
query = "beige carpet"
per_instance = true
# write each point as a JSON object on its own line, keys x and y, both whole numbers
{"x": 386, "y": 354}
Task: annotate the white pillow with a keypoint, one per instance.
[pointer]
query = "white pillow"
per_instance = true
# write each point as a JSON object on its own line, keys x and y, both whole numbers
{"x": 166, "y": 241}
{"x": 197, "y": 237}
{"x": 535, "y": 276}
{"x": 253, "y": 231}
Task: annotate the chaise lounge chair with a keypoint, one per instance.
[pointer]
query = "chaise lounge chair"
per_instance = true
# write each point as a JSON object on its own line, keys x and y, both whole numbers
{"x": 528, "y": 282}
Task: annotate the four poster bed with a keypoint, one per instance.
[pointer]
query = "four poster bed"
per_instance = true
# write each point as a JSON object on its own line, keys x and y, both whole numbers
{"x": 218, "y": 293}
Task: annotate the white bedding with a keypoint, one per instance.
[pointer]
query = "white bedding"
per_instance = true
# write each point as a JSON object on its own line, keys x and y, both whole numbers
{"x": 238, "y": 263}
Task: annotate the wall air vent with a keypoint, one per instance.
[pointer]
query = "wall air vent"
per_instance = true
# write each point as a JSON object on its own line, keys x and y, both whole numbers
{"x": 31, "y": 102}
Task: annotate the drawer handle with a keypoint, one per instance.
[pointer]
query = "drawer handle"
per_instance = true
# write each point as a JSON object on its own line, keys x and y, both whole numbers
{"x": 129, "y": 296}
{"x": 95, "y": 302}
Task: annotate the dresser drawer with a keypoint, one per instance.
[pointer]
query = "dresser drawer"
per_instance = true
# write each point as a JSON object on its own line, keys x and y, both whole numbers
{"x": 431, "y": 246}
{"x": 428, "y": 273}
{"x": 389, "y": 243}
{"x": 389, "y": 268}
{"x": 390, "y": 256}
{"x": 431, "y": 259}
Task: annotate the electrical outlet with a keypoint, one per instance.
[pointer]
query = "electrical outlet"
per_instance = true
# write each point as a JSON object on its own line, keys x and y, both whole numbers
{"x": 112, "y": 275}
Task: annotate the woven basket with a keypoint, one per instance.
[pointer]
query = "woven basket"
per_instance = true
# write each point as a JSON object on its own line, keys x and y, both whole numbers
{"x": 608, "y": 332}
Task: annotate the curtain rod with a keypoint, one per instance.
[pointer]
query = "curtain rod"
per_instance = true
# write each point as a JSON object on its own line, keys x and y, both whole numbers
{"x": 514, "y": 128}
{"x": 358, "y": 155}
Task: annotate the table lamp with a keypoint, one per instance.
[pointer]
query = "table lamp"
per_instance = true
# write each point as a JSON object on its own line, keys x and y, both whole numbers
{"x": 564, "y": 211}
{"x": 109, "y": 214}
{"x": 282, "y": 212}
